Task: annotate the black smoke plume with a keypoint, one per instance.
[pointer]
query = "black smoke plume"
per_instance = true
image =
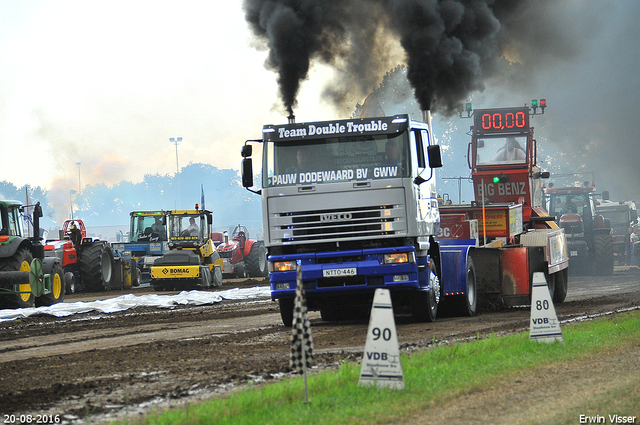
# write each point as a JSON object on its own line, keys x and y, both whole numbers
{"x": 451, "y": 46}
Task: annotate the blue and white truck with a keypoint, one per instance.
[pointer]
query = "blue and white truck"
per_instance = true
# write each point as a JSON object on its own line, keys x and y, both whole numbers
{"x": 354, "y": 203}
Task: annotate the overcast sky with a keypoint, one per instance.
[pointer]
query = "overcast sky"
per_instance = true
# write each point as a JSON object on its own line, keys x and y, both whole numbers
{"x": 107, "y": 84}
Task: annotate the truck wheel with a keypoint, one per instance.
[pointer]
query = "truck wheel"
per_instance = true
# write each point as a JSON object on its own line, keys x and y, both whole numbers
{"x": 286, "y": 311}
{"x": 551, "y": 283}
{"x": 96, "y": 267}
{"x": 467, "y": 305}
{"x": 424, "y": 304}
{"x": 330, "y": 314}
{"x": 256, "y": 261}
{"x": 562, "y": 280}
{"x": 603, "y": 256}
{"x": 21, "y": 261}
{"x": 57, "y": 288}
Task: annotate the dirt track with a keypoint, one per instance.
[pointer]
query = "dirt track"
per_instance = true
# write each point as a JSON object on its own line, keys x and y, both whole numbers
{"x": 103, "y": 366}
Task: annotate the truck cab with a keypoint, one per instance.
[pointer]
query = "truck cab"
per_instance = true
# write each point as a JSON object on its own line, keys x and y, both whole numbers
{"x": 353, "y": 203}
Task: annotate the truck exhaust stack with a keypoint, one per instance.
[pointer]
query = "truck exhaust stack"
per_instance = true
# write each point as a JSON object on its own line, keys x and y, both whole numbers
{"x": 426, "y": 117}
{"x": 292, "y": 119}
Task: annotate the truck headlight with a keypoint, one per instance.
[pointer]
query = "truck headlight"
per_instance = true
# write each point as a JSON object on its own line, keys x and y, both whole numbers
{"x": 399, "y": 258}
{"x": 282, "y": 266}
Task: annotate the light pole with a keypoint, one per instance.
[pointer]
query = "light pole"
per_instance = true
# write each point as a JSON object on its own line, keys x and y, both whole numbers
{"x": 175, "y": 141}
{"x": 79, "y": 187}
{"x": 71, "y": 192}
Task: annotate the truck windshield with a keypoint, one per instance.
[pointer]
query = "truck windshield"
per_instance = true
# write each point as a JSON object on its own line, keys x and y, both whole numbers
{"x": 318, "y": 161}
{"x": 501, "y": 150}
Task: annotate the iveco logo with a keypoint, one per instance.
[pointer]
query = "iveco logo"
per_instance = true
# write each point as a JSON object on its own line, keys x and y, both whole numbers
{"x": 335, "y": 217}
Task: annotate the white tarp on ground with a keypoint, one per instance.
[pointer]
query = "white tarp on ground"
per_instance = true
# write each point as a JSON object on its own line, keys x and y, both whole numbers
{"x": 125, "y": 302}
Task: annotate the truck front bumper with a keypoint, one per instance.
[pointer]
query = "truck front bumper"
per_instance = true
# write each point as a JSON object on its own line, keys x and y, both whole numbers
{"x": 326, "y": 274}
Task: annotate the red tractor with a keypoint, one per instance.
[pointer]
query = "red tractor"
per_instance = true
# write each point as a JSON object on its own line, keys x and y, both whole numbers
{"x": 242, "y": 256}
{"x": 87, "y": 263}
{"x": 589, "y": 237}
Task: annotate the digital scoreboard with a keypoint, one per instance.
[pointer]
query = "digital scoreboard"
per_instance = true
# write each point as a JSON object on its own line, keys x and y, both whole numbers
{"x": 501, "y": 120}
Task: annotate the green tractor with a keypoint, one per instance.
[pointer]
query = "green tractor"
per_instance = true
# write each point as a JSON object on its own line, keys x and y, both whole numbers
{"x": 27, "y": 278}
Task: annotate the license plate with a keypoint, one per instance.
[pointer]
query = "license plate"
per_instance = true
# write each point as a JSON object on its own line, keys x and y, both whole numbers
{"x": 574, "y": 253}
{"x": 351, "y": 271}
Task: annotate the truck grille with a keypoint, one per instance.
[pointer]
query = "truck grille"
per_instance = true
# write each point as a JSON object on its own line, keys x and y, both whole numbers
{"x": 338, "y": 224}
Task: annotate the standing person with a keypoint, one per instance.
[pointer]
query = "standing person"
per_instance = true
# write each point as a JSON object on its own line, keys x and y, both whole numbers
{"x": 635, "y": 237}
{"x": 628, "y": 247}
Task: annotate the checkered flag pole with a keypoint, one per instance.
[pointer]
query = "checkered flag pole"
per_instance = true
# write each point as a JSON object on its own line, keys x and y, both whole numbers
{"x": 301, "y": 341}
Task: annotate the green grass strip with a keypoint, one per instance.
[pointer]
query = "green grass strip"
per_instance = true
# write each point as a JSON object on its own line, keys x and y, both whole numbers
{"x": 431, "y": 377}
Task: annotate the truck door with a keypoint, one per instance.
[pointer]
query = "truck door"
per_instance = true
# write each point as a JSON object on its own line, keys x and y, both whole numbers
{"x": 424, "y": 188}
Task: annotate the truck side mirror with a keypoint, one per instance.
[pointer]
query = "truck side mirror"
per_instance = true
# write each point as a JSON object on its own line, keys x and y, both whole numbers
{"x": 246, "y": 170}
{"x": 605, "y": 195}
{"x": 634, "y": 215}
{"x": 247, "y": 150}
{"x": 435, "y": 156}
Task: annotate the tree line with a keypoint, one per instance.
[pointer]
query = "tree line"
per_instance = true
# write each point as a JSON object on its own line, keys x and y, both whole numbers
{"x": 102, "y": 205}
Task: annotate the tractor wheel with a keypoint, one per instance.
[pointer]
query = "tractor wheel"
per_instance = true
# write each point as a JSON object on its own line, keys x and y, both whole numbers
{"x": 603, "y": 256}
{"x": 135, "y": 273}
{"x": 217, "y": 276}
{"x": 205, "y": 278}
{"x": 240, "y": 271}
{"x": 118, "y": 274}
{"x": 21, "y": 261}
{"x": 424, "y": 304}
{"x": 69, "y": 283}
{"x": 286, "y": 311}
{"x": 256, "y": 261}
{"x": 562, "y": 280}
{"x": 97, "y": 267}
{"x": 57, "y": 288}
